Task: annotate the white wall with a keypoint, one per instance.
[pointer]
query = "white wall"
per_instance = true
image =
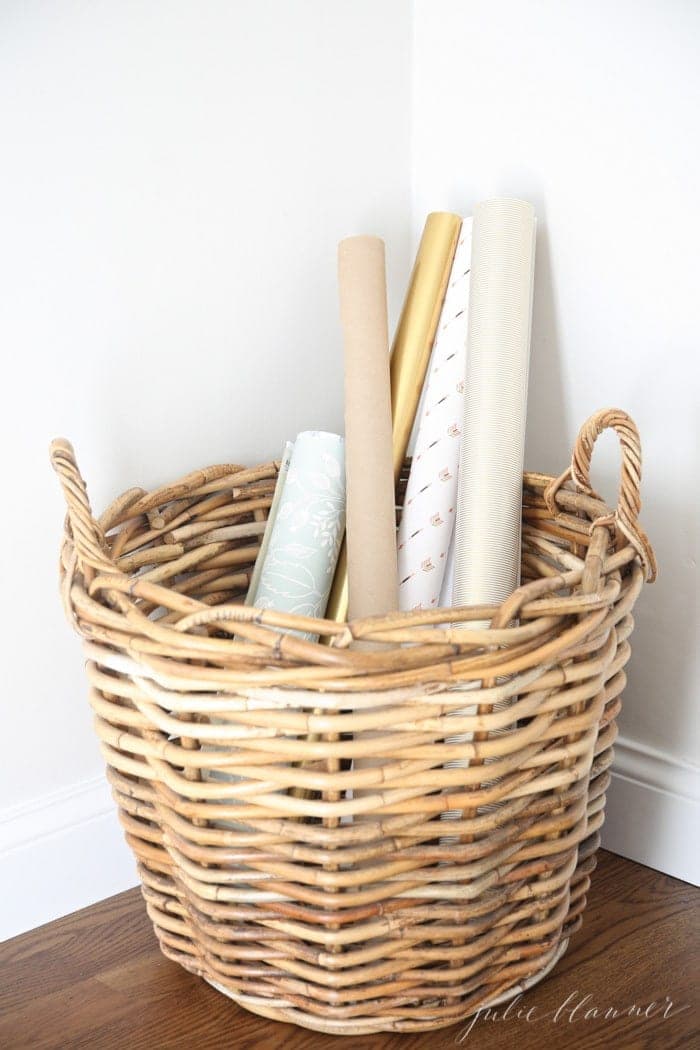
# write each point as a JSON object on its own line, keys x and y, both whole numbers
{"x": 175, "y": 178}
{"x": 590, "y": 110}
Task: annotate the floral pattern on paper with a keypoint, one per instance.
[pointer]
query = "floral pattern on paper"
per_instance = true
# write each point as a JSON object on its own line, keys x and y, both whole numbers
{"x": 308, "y": 531}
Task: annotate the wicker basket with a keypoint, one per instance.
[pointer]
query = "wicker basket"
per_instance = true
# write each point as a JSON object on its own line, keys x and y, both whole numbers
{"x": 322, "y": 892}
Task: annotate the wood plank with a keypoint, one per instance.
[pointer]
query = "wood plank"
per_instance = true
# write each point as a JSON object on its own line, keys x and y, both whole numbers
{"x": 97, "y": 979}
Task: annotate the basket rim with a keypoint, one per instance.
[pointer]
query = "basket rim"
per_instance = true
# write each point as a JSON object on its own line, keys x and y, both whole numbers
{"x": 575, "y": 587}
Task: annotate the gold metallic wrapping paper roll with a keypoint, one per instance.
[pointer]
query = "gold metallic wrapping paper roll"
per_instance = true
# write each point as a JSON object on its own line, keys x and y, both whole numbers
{"x": 410, "y": 355}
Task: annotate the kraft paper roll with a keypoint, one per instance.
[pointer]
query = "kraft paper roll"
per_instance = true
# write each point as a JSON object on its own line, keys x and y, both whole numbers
{"x": 428, "y": 518}
{"x": 370, "y": 527}
{"x": 489, "y": 502}
{"x": 410, "y": 352}
{"x": 305, "y": 539}
{"x": 370, "y": 521}
{"x": 271, "y": 518}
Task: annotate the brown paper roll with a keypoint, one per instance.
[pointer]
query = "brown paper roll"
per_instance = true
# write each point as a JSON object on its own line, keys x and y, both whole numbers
{"x": 370, "y": 502}
{"x": 410, "y": 354}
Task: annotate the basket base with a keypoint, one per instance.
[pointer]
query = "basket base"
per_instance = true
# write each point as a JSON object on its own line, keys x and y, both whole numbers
{"x": 369, "y": 1025}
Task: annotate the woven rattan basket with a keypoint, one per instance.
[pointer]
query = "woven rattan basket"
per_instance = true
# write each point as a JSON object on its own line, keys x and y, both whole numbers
{"x": 310, "y": 889}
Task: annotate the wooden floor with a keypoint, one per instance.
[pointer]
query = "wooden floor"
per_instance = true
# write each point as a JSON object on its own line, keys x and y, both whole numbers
{"x": 96, "y": 979}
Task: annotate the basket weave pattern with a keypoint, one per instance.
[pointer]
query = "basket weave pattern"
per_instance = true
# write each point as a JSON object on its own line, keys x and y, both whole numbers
{"x": 317, "y": 891}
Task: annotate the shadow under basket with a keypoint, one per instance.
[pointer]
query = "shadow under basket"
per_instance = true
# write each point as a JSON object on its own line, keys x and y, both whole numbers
{"x": 286, "y": 799}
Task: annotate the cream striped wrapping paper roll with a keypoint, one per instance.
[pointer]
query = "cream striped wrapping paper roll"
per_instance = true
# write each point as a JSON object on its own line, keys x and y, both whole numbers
{"x": 427, "y": 521}
{"x": 487, "y": 552}
{"x": 489, "y": 498}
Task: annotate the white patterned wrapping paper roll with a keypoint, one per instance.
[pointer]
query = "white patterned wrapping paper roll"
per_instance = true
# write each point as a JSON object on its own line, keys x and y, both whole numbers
{"x": 489, "y": 499}
{"x": 428, "y": 517}
{"x": 271, "y": 518}
{"x": 305, "y": 539}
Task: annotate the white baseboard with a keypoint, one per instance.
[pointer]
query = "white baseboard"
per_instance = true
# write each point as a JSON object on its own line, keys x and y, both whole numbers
{"x": 59, "y": 853}
{"x": 66, "y": 850}
{"x": 653, "y": 810}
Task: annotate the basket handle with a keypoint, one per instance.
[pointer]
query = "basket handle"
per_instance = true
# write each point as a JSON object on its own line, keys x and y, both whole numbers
{"x": 87, "y": 534}
{"x": 625, "y": 517}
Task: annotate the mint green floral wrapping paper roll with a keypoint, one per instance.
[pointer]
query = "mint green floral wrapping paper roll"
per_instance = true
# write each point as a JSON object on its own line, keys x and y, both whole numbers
{"x": 296, "y": 564}
{"x": 305, "y": 540}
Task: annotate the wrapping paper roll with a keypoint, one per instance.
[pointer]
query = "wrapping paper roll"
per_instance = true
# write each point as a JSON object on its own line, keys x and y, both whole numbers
{"x": 371, "y": 513}
{"x": 427, "y": 522}
{"x": 271, "y": 518}
{"x": 487, "y": 559}
{"x": 489, "y": 503}
{"x": 446, "y": 597}
{"x": 418, "y": 323}
{"x": 278, "y": 592}
{"x": 370, "y": 539}
{"x": 305, "y": 539}
{"x": 410, "y": 353}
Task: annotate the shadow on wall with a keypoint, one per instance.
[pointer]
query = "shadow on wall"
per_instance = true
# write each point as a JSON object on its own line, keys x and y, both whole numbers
{"x": 659, "y": 699}
{"x": 656, "y": 712}
{"x": 664, "y": 639}
{"x": 549, "y": 431}
{"x": 660, "y": 693}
